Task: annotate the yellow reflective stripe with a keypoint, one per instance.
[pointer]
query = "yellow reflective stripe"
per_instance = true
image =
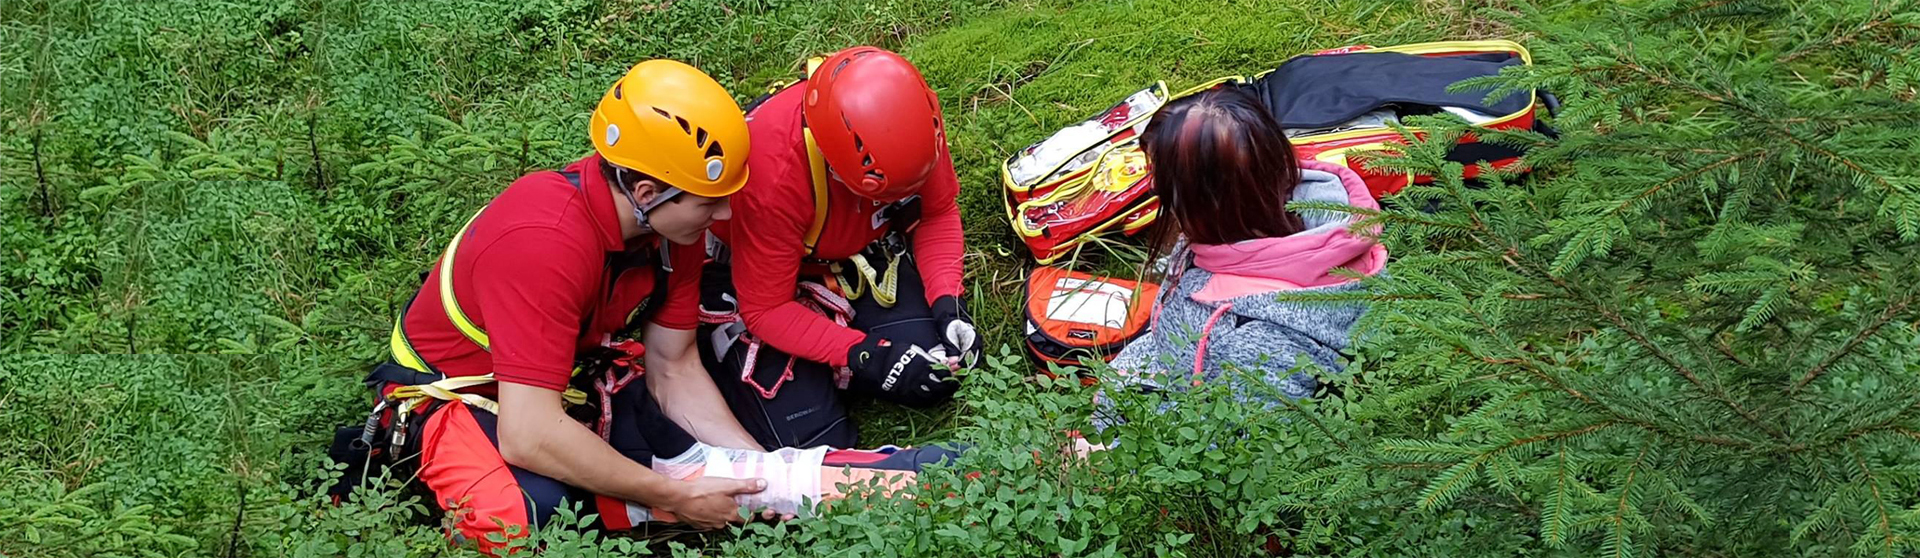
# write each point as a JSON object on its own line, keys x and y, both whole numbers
{"x": 1340, "y": 157}
{"x": 447, "y": 389}
{"x": 402, "y": 350}
{"x": 459, "y": 318}
{"x": 818, "y": 164}
{"x": 1079, "y": 185}
{"x": 1007, "y": 186}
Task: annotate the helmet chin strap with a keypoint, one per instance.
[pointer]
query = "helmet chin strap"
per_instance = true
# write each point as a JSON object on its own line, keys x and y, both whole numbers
{"x": 640, "y": 211}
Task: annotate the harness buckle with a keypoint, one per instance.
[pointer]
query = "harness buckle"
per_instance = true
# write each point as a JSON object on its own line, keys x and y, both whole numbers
{"x": 893, "y": 245}
{"x": 371, "y": 429}
{"x": 398, "y": 442}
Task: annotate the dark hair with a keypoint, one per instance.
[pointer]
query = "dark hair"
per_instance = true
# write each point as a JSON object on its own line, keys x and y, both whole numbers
{"x": 628, "y": 179}
{"x": 1222, "y": 167}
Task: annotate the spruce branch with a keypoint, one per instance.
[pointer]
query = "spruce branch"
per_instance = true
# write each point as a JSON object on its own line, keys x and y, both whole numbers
{"x": 1878, "y": 20}
{"x": 1884, "y": 519}
{"x": 1513, "y": 258}
{"x": 1620, "y": 540}
{"x": 1893, "y": 309}
{"x": 1553, "y": 516}
{"x": 1451, "y": 482}
{"x": 1538, "y": 370}
{"x": 1720, "y": 344}
{"x": 1676, "y": 179}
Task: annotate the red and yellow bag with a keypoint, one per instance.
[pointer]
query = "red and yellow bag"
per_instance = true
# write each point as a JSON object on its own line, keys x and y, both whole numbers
{"x": 1073, "y": 317}
{"x": 1091, "y": 178}
{"x": 1337, "y": 146}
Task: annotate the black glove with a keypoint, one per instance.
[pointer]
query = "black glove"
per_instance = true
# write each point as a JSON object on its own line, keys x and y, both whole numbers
{"x": 956, "y": 330}
{"x": 903, "y": 373}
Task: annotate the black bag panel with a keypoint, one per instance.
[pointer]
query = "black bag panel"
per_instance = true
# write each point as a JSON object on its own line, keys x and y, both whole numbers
{"x": 1327, "y": 90}
{"x": 808, "y": 410}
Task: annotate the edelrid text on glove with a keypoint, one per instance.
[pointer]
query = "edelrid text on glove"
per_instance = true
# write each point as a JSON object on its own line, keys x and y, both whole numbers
{"x": 903, "y": 373}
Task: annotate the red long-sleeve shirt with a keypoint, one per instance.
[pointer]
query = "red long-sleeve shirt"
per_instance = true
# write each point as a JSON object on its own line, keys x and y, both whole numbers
{"x": 768, "y": 234}
{"x": 532, "y": 271}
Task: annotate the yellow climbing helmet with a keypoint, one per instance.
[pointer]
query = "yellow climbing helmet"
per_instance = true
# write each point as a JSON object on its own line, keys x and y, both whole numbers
{"x": 674, "y": 123}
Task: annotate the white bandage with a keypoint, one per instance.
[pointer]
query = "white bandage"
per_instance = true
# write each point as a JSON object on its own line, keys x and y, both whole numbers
{"x": 792, "y": 474}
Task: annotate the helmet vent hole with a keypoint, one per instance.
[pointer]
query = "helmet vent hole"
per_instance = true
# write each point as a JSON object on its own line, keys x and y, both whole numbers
{"x": 838, "y": 67}
{"x": 616, "y": 90}
{"x": 713, "y": 150}
{"x": 866, "y": 160}
{"x": 699, "y": 136}
{"x": 858, "y": 145}
{"x": 662, "y": 113}
{"x": 684, "y": 126}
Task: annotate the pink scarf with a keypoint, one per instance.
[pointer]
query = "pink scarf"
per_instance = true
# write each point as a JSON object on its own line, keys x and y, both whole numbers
{"x": 1302, "y": 260}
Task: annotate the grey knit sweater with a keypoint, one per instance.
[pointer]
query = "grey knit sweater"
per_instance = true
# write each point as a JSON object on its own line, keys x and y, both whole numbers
{"x": 1258, "y": 337}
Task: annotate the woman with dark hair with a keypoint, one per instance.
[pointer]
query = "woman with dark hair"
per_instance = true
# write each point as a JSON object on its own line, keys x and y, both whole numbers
{"x": 1224, "y": 173}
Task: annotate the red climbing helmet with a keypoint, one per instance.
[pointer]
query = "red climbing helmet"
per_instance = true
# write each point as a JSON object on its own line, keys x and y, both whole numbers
{"x": 875, "y": 121}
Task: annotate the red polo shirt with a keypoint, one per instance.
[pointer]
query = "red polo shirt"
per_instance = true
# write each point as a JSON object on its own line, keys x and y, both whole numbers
{"x": 768, "y": 234}
{"x": 533, "y": 269}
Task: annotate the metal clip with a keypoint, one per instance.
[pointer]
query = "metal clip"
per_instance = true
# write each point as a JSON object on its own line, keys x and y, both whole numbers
{"x": 397, "y": 443}
{"x": 371, "y": 429}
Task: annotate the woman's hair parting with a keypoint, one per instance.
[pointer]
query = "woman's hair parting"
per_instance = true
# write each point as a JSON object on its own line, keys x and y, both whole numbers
{"x": 1222, "y": 167}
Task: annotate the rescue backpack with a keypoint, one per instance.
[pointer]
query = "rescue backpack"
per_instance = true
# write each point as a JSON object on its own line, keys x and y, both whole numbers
{"x": 1092, "y": 178}
{"x": 1074, "y": 317}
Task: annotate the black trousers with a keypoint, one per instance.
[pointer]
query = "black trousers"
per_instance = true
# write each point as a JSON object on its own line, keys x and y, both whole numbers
{"x": 808, "y": 410}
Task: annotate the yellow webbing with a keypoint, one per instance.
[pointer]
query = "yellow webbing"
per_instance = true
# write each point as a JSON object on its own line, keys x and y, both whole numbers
{"x": 885, "y": 286}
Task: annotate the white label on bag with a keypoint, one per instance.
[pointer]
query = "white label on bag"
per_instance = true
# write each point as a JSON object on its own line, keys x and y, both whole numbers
{"x": 1097, "y": 303}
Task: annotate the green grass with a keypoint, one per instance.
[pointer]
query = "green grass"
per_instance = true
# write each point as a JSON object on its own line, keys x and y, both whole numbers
{"x": 244, "y": 192}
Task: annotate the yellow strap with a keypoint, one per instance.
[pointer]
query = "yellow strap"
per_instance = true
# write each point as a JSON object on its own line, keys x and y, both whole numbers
{"x": 447, "y": 300}
{"x": 1208, "y": 85}
{"x": 446, "y": 390}
{"x": 401, "y": 348}
{"x": 403, "y": 352}
{"x": 449, "y": 390}
{"x": 818, "y": 165}
{"x": 885, "y": 286}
